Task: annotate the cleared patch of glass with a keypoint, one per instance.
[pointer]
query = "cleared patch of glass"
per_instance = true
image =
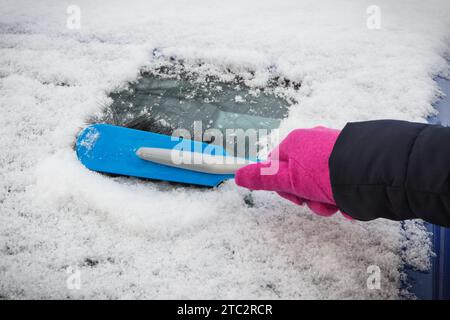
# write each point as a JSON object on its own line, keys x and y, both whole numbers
{"x": 164, "y": 100}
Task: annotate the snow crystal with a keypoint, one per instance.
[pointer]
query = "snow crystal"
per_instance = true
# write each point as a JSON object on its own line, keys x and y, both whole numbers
{"x": 90, "y": 138}
{"x": 128, "y": 238}
{"x": 239, "y": 99}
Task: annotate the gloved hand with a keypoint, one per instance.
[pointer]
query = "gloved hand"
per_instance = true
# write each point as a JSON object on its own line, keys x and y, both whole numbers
{"x": 303, "y": 175}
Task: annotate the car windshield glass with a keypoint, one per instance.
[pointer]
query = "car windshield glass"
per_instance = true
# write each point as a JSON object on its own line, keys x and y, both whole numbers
{"x": 158, "y": 104}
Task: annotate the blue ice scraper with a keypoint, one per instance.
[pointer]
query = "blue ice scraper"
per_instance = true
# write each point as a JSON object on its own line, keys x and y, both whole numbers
{"x": 123, "y": 151}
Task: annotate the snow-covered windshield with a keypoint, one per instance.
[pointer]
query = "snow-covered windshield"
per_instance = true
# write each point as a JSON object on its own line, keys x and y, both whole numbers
{"x": 136, "y": 239}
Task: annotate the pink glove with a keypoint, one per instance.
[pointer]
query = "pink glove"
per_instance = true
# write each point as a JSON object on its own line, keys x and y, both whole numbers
{"x": 303, "y": 175}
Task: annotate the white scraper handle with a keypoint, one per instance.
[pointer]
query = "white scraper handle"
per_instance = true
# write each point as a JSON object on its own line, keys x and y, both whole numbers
{"x": 194, "y": 161}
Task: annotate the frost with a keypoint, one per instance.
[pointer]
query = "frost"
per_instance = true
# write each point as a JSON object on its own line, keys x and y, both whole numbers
{"x": 90, "y": 138}
{"x": 239, "y": 99}
{"x": 417, "y": 249}
{"x": 140, "y": 239}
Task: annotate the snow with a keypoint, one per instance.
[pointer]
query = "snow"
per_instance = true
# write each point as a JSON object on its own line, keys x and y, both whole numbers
{"x": 134, "y": 239}
{"x": 239, "y": 99}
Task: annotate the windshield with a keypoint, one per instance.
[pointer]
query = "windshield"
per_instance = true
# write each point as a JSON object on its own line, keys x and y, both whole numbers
{"x": 157, "y": 104}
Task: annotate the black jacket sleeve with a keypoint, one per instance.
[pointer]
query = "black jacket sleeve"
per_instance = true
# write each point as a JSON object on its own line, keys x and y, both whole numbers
{"x": 392, "y": 169}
